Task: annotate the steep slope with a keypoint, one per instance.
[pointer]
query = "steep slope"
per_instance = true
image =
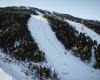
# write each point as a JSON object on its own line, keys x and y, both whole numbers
{"x": 64, "y": 64}
{"x": 41, "y": 46}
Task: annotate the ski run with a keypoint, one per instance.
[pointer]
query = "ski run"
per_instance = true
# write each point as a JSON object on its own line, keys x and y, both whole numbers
{"x": 66, "y": 65}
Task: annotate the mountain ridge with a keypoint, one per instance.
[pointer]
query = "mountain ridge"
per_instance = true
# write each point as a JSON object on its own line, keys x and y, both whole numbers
{"x": 20, "y": 31}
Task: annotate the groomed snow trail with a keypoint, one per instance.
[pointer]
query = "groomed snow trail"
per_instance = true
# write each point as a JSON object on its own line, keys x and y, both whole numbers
{"x": 81, "y": 28}
{"x": 67, "y": 66}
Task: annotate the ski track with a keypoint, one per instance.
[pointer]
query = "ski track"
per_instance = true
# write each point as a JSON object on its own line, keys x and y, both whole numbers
{"x": 67, "y": 66}
{"x": 81, "y": 28}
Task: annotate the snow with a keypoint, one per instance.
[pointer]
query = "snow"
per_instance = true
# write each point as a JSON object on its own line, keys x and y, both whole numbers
{"x": 66, "y": 65}
{"x": 16, "y": 43}
{"x": 10, "y": 69}
{"x": 93, "y": 60}
{"x": 4, "y": 75}
{"x": 81, "y": 28}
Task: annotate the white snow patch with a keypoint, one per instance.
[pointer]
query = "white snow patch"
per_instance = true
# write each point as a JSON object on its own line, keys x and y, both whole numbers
{"x": 93, "y": 60}
{"x": 5, "y": 76}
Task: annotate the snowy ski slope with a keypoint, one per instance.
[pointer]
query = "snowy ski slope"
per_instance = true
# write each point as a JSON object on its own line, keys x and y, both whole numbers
{"x": 67, "y": 66}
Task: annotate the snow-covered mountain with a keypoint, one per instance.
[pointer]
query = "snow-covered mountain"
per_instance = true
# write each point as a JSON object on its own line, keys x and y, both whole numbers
{"x": 37, "y": 44}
